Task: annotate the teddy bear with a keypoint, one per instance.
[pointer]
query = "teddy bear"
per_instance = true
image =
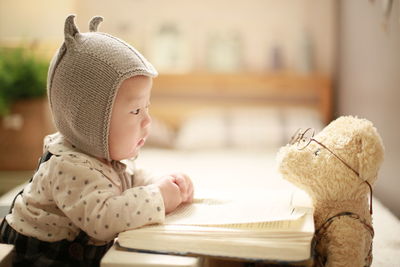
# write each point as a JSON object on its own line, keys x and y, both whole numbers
{"x": 337, "y": 168}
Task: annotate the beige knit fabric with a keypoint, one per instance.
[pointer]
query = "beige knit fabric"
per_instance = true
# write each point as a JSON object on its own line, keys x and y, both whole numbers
{"x": 83, "y": 79}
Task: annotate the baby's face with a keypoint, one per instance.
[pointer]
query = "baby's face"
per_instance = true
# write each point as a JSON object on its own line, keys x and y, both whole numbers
{"x": 130, "y": 119}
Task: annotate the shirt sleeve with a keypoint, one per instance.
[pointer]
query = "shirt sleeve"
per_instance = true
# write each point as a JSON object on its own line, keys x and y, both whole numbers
{"x": 97, "y": 205}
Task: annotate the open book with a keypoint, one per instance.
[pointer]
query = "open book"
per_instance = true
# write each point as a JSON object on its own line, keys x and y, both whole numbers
{"x": 261, "y": 226}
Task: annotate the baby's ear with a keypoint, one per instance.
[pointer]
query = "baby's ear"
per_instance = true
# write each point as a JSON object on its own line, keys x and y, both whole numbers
{"x": 94, "y": 23}
{"x": 371, "y": 152}
{"x": 70, "y": 30}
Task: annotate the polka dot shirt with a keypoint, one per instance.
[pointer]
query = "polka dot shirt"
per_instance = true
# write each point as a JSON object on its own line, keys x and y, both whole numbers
{"x": 74, "y": 191}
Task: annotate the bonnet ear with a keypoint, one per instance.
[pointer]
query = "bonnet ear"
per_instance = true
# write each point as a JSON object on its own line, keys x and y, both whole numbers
{"x": 371, "y": 152}
{"x": 94, "y": 23}
{"x": 70, "y": 30}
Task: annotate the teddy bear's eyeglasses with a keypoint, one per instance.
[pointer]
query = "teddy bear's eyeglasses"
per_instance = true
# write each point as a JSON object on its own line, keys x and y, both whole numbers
{"x": 303, "y": 138}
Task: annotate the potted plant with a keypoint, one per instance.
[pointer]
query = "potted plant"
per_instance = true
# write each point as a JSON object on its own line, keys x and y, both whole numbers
{"x": 24, "y": 114}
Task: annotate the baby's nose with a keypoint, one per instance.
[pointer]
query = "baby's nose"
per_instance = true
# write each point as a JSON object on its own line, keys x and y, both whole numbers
{"x": 146, "y": 121}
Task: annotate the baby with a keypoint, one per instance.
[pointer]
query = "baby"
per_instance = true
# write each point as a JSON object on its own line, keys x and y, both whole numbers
{"x": 82, "y": 194}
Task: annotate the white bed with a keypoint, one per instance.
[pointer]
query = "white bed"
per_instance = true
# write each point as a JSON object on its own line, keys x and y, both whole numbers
{"x": 226, "y": 130}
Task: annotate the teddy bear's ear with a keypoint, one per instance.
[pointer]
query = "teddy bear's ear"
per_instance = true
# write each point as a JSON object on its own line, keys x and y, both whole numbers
{"x": 70, "y": 31}
{"x": 371, "y": 152}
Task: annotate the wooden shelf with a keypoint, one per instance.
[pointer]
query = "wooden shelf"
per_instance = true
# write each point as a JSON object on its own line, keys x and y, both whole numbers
{"x": 187, "y": 92}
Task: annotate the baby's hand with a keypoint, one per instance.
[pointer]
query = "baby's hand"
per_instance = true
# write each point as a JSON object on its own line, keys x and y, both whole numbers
{"x": 175, "y": 189}
{"x": 185, "y": 186}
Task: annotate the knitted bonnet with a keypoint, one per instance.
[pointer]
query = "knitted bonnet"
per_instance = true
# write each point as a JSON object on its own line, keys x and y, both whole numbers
{"x": 83, "y": 79}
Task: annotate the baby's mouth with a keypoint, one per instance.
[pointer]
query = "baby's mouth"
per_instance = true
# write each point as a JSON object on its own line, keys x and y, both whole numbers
{"x": 141, "y": 142}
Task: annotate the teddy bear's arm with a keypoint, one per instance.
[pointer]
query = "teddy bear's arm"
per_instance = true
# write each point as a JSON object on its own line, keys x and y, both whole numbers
{"x": 347, "y": 243}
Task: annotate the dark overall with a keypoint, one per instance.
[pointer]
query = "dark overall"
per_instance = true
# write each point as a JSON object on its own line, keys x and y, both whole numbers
{"x": 30, "y": 251}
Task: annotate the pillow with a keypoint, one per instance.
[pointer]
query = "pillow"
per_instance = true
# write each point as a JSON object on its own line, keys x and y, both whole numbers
{"x": 257, "y": 127}
{"x": 245, "y": 127}
{"x": 235, "y": 128}
{"x": 203, "y": 130}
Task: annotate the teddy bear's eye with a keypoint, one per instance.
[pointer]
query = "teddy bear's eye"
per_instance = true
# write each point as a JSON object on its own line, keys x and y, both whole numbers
{"x": 316, "y": 153}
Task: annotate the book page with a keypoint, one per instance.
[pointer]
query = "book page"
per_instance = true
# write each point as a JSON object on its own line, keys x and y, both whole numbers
{"x": 250, "y": 208}
{"x": 275, "y": 225}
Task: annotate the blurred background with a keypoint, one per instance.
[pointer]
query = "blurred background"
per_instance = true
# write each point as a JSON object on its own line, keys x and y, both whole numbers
{"x": 348, "y": 50}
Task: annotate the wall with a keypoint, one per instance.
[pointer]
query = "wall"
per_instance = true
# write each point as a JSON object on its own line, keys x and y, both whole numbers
{"x": 369, "y": 81}
{"x": 33, "y": 20}
{"x": 260, "y": 24}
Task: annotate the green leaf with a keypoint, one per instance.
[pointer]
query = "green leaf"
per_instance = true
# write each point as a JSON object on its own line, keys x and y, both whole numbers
{"x": 22, "y": 76}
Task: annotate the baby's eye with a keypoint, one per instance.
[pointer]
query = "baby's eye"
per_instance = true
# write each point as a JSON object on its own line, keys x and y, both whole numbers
{"x": 138, "y": 110}
{"x": 135, "y": 112}
{"x": 316, "y": 153}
